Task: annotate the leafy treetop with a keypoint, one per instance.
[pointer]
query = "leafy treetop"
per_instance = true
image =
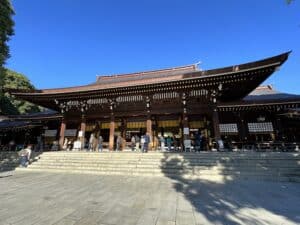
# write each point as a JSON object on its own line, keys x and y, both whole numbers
{"x": 8, "y": 103}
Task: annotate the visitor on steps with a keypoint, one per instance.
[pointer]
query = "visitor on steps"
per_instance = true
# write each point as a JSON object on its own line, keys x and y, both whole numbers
{"x": 25, "y": 154}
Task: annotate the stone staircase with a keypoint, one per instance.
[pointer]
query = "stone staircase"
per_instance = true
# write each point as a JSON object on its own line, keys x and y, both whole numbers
{"x": 209, "y": 165}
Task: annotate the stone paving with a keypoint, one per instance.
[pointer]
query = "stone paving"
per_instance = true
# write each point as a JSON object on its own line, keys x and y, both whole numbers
{"x": 57, "y": 199}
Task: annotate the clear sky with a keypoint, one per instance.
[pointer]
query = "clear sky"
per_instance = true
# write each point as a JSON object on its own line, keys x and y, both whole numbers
{"x": 61, "y": 43}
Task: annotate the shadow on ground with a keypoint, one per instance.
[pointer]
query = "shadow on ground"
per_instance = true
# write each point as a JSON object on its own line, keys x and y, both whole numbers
{"x": 10, "y": 160}
{"x": 231, "y": 200}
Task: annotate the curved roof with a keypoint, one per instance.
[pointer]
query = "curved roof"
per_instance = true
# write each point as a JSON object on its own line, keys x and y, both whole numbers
{"x": 156, "y": 77}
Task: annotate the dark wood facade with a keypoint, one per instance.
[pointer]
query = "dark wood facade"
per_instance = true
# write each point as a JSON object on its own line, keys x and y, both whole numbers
{"x": 167, "y": 101}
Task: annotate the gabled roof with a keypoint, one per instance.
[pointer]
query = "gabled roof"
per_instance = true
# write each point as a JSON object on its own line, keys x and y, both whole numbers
{"x": 264, "y": 96}
{"x": 268, "y": 93}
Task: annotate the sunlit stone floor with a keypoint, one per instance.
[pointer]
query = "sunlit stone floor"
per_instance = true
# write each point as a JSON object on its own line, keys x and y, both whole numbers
{"x": 49, "y": 198}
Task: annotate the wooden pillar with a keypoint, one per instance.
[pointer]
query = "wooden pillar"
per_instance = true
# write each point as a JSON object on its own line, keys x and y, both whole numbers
{"x": 111, "y": 133}
{"x": 149, "y": 125}
{"x": 216, "y": 123}
{"x": 62, "y": 133}
{"x": 123, "y": 133}
{"x": 149, "y": 130}
{"x": 82, "y": 129}
{"x": 124, "y": 126}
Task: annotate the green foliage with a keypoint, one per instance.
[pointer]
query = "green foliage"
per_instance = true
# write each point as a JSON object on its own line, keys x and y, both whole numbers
{"x": 10, "y": 105}
{"x": 6, "y": 31}
{"x": 6, "y": 28}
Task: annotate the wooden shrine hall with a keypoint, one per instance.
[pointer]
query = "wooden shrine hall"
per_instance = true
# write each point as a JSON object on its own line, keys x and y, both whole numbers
{"x": 225, "y": 103}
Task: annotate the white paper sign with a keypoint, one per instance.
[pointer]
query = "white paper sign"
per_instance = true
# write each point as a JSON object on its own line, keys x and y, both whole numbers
{"x": 80, "y": 133}
{"x": 186, "y": 130}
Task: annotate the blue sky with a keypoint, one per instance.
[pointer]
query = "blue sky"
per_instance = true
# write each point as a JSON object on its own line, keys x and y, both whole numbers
{"x": 61, "y": 43}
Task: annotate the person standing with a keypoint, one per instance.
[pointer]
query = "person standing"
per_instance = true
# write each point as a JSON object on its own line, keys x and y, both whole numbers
{"x": 169, "y": 143}
{"x": 100, "y": 143}
{"x": 147, "y": 141}
{"x": 91, "y": 141}
{"x": 162, "y": 143}
{"x": 132, "y": 143}
{"x": 137, "y": 142}
{"x": 197, "y": 142}
{"x": 119, "y": 143}
{"x": 142, "y": 143}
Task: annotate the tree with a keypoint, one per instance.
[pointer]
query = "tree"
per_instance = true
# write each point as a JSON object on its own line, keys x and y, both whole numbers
{"x": 6, "y": 31}
{"x": 10, "y": 105}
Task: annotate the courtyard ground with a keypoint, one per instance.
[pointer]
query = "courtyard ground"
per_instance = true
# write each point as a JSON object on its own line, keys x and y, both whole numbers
{"x": 49, "y": 198}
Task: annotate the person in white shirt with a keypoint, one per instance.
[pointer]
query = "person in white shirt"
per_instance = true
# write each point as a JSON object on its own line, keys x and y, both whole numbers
{"x": 25, "y": 155}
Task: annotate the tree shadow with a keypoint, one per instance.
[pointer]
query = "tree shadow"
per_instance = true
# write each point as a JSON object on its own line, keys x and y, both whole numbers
{"x": 9, "y": 161}
{"x": 226, "y": 197}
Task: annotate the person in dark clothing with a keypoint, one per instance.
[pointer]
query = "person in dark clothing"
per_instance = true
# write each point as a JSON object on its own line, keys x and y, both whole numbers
{"x": 146, "y": 143}
{"x": 198, "y": 142}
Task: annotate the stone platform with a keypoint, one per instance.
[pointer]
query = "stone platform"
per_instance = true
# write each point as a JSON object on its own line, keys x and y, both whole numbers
{"x": 275, "y": 166}
{"x": 83, "y": 199}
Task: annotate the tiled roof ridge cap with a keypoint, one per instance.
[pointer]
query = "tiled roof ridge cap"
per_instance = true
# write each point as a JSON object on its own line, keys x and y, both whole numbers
{"x": 192, "y": 66}
{"x": 265, "y": 86}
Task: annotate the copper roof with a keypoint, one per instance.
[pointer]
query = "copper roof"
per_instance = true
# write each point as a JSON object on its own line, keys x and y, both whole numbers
{"x": 163, "y": 73}
{"x": 155, "y": 77}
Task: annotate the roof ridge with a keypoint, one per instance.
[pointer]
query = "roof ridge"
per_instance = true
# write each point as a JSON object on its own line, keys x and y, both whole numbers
{"x": 191, "y": 66}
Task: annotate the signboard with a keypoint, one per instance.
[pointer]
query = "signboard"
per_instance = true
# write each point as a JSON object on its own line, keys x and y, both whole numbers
{"x": 50, "y": 133}
{"x": 70, "y": 132}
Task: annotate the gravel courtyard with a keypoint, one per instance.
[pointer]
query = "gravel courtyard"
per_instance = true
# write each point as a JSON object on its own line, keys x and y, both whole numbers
{"x": 49, "y": 198}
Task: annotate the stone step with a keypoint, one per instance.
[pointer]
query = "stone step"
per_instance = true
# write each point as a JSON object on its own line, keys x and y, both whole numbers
{"x": 174, "y": 158}
{"x": 165, "y": 165}
{"x": 174, "y": 170}
{"x": 171, "y": 158}
{"x": 263, "y": 176}
{"x": 175, "y": 155}
{"x": 197, "y": 165}
{"x": 171, "y": 163}
{"x": 175, "y": 176}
